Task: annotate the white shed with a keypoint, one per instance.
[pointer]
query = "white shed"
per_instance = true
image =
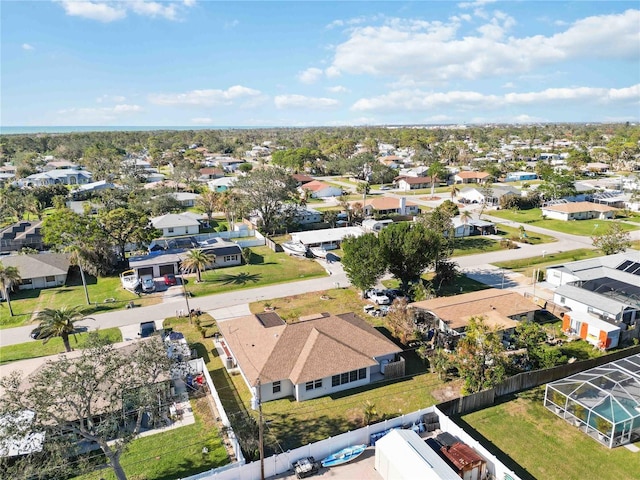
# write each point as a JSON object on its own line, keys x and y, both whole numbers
{"x": 403, "y": 455}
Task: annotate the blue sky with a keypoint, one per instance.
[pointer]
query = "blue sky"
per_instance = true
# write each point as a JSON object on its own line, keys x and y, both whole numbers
{"x": 264, "y": 63}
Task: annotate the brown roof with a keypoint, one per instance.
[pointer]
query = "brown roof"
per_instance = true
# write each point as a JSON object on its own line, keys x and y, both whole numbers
{"x": 497, "y": 306}
{"x": 384, "y": 203}
{"x": 478, "y": 175}
{"x": 315, "y": 185}
{"x": 302, "y": 178}
{"x": 414, "y": 180}
{"x": 462, "y": 456}
{"x": 306, "y": 350}
{"x": 576, "y": 207}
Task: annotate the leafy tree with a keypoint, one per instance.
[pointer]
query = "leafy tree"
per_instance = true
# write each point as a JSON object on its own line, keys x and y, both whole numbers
{"x": 557, "y": 186}
{"x": 613, "y": 240}
{"x": 59, "y": 322}
{"x": 94, "y": 397}
{"x": 196, "y": 261}
{"x": 454, "y": 190}
{"x": 363, "y": 260}
{"x": 369, "y": 412}
{"x": 123, "y": 225}
{"x": 330, "y": 217}
{"x": 409, "y": 249}
{"x": 441, "y": 363}
{"x": 529, "y": 335}
{"x": 9, "y": 277}
{"x": 246, "y": 255}
{"x": 265, "y": 190}
{"x": 480, "y": 357}
{"x": 245, "y": 167}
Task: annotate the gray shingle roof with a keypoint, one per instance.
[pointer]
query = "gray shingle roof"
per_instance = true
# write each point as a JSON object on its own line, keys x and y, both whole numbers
{"x": 40, "y": 265}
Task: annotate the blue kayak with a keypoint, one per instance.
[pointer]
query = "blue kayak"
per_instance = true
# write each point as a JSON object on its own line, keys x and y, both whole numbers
{"x": 343, "y": 456}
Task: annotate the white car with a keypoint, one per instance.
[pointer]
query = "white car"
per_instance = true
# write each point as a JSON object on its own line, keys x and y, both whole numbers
{"x": 379, "y": 298}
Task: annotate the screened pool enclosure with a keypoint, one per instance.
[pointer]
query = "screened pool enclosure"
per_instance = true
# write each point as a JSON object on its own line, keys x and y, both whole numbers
{"x": 603, "y": 402}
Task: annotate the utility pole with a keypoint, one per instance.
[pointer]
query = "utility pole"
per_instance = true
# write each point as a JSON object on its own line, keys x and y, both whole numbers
{"x": 260, "y": 430}
{"x": 186, "y": 295}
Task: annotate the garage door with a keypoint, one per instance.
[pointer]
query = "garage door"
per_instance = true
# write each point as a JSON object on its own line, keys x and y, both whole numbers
{"x": 145, "y": 271}
{"x": 164, "y": 269}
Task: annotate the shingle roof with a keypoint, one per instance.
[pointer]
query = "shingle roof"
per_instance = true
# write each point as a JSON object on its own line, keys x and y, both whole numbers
{"x": 306, "y": 350}
{"x": 467, "y": 174}
{"x": 316, "y": 186}
{"x": 575, "y": 207}
{"x": 173, "y": 220}
{"x": 40, "y": 265}
{"x": 384, "y": 203}
{"x": 414, "y": 180}
{"x": 495, "y": 305}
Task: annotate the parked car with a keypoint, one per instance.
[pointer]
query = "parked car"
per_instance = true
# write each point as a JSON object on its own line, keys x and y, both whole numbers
{"x": 385, "y": 187}
{"x": 147, "y": 329}
{"x": 148, "y": 285}
{"x": 170, "y": 279}
{"x": 379, "y": 298}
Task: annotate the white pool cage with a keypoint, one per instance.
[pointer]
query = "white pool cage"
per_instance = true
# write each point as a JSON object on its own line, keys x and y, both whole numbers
{"x": 603, "y": 402}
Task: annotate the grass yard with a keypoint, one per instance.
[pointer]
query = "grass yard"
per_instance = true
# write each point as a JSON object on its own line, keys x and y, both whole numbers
{"x": 266, "y": 268}
{"x": 173, "y": 454}
{"x": 533, "y": 238}
{"x": 461, "y": 284}
{"x": 527, "y": 265}
{"x": 576, "y": 227}
{"x": 26, "y": 302}
{"x": 473, "y": 245}
{"x": 36, "y": 348}
{"x": 544, "y": 445}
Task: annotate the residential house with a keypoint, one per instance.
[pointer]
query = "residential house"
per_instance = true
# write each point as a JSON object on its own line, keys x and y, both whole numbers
{"x": 186, "y": 199}
{"x": 606, "y": 288}
{"x": 301, "y": 179}
{"x": 406, "y": 184}
{"x": 596, "y": 167}
{"x": 84, "y": 191}
{"x": 578, "y": 211}
{"x": 372, "y": 225}
{"x": 318, "y": 189}
{"x": 471, "y": 177}
{"x": 477, "y": 195}
{"x": 64, "y": 176}
{"x": 42, "y": 270}
{"x": 388, "y": 206}
{"x": 520, "y": 176}
{"x": 59, "y": 164}
{"x": 328, "y": 238}
{"x": 499, "y": 308}
{"x": 209, "y": 173}
{"x": 599, "y": 333}
{"x": 228, "y": 164}
{"x": 468, "y": 227}
{"x": 175, "y": 224}
{"x": 316, "y": 356}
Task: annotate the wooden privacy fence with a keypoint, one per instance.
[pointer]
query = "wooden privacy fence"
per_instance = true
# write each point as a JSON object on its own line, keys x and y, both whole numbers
{"x": 527, "y": 380}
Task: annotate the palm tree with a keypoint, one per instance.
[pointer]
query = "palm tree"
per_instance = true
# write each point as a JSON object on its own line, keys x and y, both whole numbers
{"x": 197, "y": 261}
{"x": 59, "y": 323}
{"x": 436, "y": 171}
{"x": 465, "y": 217}
{"x": 9, "y": 276}
{"x": 454, "y": 191}
{"x": 78, "y": 257}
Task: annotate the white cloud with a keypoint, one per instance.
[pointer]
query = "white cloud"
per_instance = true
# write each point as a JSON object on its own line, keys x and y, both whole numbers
{"x": 310, "y": 75}
{"x": 94, "y": 116}
{"x": 202, "y": 120}
{"x": 28, "y": 46}
{"x": 99, "y": 11}
{"x": 209, "y": 97}
{"x": 300, "y": 101}
{"x": 475, "y": 4}
{"x": 508, "y": 85}
{"x": 231, "y": 24}
{"x": 110, "y": 10}
{"x": 338, "y": 89}
{"x": 418, "y": 100}
{"x": 110, "y": 98}
{"x": 436, "y": 52}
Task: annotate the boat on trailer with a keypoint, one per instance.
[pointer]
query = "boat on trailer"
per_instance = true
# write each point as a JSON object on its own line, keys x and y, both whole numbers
{"x": 343, "y": 456}
{"x": 295, "y": 248}
{"x": 130, "y": 280}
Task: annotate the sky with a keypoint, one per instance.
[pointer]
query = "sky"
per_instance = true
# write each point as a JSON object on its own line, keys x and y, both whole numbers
{"x": 316, "y": 63}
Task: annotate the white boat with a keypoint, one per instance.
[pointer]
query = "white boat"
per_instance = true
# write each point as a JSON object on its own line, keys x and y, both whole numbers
{"x": 319, "y": 252}
{"x": 130, "y": 280}
{"x": 294, "y": 248}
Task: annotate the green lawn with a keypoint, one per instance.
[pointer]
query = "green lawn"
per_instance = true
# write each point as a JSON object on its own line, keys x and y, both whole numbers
{"x": 547, "y": 447}
{"x": 532, "y": 238}
{"x": 26, "y": 302}
{"x": 36, "y": 348}
{"x": 575, "y": 227}
{"x": 266, "y": 268}
{"x": 473, "y": 245}
{"x": 173, "y": 454}
{"x": 527, "y": 265}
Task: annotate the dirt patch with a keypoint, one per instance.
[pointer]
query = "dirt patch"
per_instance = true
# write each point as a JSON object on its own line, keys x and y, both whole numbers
{"x": 430, "y": 199}
{"x": 448, "y": 392}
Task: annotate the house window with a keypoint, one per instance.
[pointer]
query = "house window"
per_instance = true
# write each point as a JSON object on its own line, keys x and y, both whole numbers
{"x": 50, "y": 278}
{"x": 562, "y": 299}
{"x": 352, "y": 376}
{"x": 276, "y": 387}
{"x": 229, "y": 258}
{"x": 313, "y": 384}
{"x": 170, "y": 230}
{"x": 26, "y": 281}
{"x": 362, "y": 373}
{"x": 335, "y": 380}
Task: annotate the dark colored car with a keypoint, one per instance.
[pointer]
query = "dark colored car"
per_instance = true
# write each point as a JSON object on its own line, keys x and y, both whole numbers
{"x": 147, "y": 329}
{"x": 170, "y": 279}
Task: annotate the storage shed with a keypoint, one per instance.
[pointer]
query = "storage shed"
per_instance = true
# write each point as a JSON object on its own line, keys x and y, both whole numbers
{"x": 403, "y": 455}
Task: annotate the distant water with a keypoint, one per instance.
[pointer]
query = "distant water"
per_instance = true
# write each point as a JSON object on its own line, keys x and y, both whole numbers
{"x": 71, "y": 129}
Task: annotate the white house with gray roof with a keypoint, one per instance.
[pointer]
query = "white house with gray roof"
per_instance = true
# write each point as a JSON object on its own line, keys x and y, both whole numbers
{"x": 43, "y": 270}
{"x": 175, "y": 224}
